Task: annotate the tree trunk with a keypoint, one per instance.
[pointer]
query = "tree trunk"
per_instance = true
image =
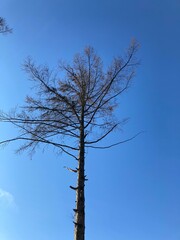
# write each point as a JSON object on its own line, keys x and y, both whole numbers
{"x": 79, "y": 228}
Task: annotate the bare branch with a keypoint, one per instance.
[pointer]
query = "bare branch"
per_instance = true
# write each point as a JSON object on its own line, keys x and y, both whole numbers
{"x": 4, "y": 28}
{"x": 71, "y": 170}
{"x": 115, "y": 144}
{"x": 103, "y": 136}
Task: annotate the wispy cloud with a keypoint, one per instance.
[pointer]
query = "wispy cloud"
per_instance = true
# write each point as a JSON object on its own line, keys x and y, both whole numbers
{"x": 7, "y": 199}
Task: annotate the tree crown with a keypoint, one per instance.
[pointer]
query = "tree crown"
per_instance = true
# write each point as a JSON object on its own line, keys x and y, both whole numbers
{"x": 85, "y": 97}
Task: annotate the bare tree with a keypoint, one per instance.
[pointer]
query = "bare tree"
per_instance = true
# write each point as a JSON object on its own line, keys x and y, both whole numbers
{"x": 73, "y": 111}
{"x": 4, "y": 28}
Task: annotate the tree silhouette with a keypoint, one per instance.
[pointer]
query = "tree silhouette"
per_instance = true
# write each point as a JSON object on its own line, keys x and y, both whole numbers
{"x": 73, "y": 111}
{"x": 4, "y": 28}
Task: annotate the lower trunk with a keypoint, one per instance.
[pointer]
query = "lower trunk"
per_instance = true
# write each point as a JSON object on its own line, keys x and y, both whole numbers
{"x": 79, "y": 218}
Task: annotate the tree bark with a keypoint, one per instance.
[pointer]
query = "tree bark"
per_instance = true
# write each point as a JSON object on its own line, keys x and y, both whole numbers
{"x": 79, "y": 228}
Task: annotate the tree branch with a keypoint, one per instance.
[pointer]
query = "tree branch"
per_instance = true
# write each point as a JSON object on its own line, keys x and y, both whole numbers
{"x": 4, "y": 28}
{"x": 103, "y": 136}
{"x": 115, "y": 144}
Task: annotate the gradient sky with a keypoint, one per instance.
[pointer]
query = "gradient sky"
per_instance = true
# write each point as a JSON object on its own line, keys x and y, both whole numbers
{"x": 133, "y": 192}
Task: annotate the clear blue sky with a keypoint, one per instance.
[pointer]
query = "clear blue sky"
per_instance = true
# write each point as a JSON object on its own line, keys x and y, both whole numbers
{"x": 133, "y": 192}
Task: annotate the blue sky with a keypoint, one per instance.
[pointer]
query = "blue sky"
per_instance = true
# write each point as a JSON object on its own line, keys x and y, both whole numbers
{"x": 133, "y": 192}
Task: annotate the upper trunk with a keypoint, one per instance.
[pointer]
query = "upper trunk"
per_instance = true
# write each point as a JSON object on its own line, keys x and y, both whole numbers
{"x": 79, "y": 228}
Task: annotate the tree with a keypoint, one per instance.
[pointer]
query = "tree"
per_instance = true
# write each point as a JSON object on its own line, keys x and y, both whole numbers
{"x": 73, "y": 111}
{"x": 4, "y": 28}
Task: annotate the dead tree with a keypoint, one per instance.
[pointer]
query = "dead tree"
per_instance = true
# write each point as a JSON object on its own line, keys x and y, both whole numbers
{"x": 73, "y": 111}
{"x": 4, "y": 28}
